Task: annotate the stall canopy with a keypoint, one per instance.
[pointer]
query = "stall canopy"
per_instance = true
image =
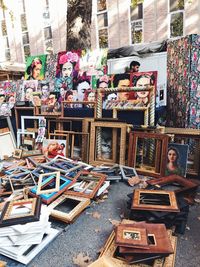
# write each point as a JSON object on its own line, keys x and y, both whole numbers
{"x": 137, "y": 50}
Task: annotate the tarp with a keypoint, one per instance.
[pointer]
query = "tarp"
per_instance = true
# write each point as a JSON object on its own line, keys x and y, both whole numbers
{"x": 138, "y": 50}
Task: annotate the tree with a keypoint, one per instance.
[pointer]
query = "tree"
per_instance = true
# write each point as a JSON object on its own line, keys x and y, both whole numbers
{"x": 79, "y": 13}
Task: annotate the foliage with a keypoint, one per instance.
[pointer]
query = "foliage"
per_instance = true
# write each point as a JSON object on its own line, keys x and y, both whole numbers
{"x": 134, "y": 3}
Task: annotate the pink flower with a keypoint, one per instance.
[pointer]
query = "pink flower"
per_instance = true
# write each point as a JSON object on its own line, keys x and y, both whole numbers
{"x": 63, "y": 59}
{"x": 68, "y": 57}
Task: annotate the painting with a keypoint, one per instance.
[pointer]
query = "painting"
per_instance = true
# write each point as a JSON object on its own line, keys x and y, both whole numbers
{"x": 144, "y": 79}
{"x": 52, "y": 148}
{"x": 177, "y": 156}
{"x": 35, "y": 67}
{"x": 5, "y": 109}
{"x": 29, "y": 87}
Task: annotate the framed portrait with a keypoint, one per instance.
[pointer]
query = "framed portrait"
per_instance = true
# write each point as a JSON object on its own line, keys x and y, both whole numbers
{"x": 35, "y": 67}
{"x": 20, "y": 212}
{"x": 177, "y": 156}
{"x": 29, "y": 88}
{"x": 5, "y": 109}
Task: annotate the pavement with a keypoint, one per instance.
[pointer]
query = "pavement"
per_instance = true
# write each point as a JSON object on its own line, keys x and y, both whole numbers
{"x": 91, "y": 229}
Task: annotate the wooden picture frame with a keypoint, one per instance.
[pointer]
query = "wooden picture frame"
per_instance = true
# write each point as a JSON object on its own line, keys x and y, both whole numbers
{"x": 71, "y": 139}
{"x": 65, "y": 182}
{"x": 156, "y": 200}
{"x": 77, "y": 207}
{"x": 19, "y": 184}
{"x": 151, "y": 107}
{"x": 20, "y": 212}
{"x": 37, "y": 160}
{"x": 17, "y": 153}
{"x": 55, "y": 136}
{"x": 86, "y": 184}
{"x": 152, "y": 148}
{"x": 49, "y": 179}
{"x": 158, "y": 238}
{"x": 95, "y": 157}
{"x": 130, "y": 236}
{"x": 181, "y": 184}
{"x": 77, "y": 104}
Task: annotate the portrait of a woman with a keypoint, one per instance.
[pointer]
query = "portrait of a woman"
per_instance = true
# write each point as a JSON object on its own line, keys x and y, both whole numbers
{"x": 173, "y": 165}
{"x": 34, "y": 69}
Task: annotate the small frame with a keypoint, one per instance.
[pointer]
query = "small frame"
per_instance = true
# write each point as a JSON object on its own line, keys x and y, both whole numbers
{"x": 37, "y": 160}
{"x": 77, "y": 104}
{"x": 130, "y": 236}
{"x": 44, "y": 186}
{"x": 20, "y": 212}
{"x": 86, "y": 184}
{"x": 148, "y": 153}
{"x": 127, "y": 172}
{"x": 156, "y": 200}
{"x": 66, "y": 208}
{"x": 174, "y": 182}
{"x": 17, "y": 153}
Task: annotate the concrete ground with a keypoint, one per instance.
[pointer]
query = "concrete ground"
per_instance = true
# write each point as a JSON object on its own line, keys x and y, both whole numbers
{"x": 88, "y": 234}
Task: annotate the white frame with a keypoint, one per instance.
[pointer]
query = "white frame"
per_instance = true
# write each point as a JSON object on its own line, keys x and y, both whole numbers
{"x": 7, "y": 147}
{"x": 169, "y": 20}
{"x": 130, "y": 25}
{"x": 16, "y": 253}
{"x": 19, "y": 133}
{"x": 23, "y": 118}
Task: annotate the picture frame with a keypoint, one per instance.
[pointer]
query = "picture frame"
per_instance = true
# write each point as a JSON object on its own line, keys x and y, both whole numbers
{"x": 84, "y": 147}
{"x": 20, "y": 212}
{"x": 95, "y": 155}
{"x": 47, "y": 181}
{"x": 102, "y": 92}
{"x": 130, "y": 236}
{"x": 9, "y": 149}
{"x": 127, "y": 172}
{"x": 86, "y": 184}
{"x": 158, "y": 238}
{"x": 17, "y": 154}
{"x": 181, "y": 184}
{"x": 65, "y": 182}
{"x": 77, "y": 104}
{"x": 53, "y": 147}
{"x": 156, "y": 200}
{"x": 37, "y": 160}
{"x": 147, "y": 153}
{"x": 78, "y": 204}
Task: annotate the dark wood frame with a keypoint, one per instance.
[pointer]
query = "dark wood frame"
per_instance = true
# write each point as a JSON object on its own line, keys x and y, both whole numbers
{"x": 136, "y": 243}
{"x": 77, "y": 103}
{"x": 160, "y": 153}
{"x": 33, "y": 216}
{"x": 185, "y": 184}
{"x": 136, "y": 205}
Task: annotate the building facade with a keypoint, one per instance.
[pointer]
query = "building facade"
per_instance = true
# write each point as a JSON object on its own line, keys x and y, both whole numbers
{"x": 39, "y": 27}
{"x": 117, "y": 23}
{"x": 32, "y": 28}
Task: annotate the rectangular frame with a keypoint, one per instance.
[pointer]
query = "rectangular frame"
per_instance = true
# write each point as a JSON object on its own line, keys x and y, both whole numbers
{"x": 7, "y": 138}
{"x": 68, "y": 217}
{"x": 75, "y": 104}
{"x": 94, "y": 145}
{"x": 136, "y": 205}
{"x": 101, "y": 92}
{"x": 160, "y": 160}
{"x": 32, "y": 216}
{"x": 98, "y": 177}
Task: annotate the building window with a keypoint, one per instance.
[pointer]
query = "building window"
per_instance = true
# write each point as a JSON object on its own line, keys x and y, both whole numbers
{"x": 102, "y": 23}
{"x": 176, "y": 8}
{"x": 48, "y": 39}
{"x": 4, "y": 37}
{"x": 136, "y": 17}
